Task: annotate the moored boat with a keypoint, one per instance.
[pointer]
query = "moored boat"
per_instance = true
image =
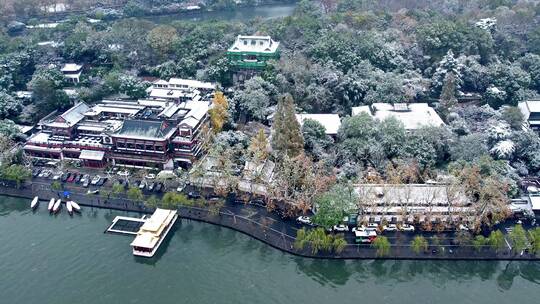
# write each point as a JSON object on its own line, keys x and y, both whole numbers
{"x": 57, "y": 205}
{"x": 153, "y": 232}
{"x": 75, "y": 206}
{"x": 51, "y": 205}
{"x": 69, "y": 207}
{"x": 34, "y": 203}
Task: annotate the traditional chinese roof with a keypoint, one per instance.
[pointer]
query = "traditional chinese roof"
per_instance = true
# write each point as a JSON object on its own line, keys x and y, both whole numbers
{"x": 413, "y": 116}
{"x": 71, "y": 117}
{"x": 145, "y": 129}
{"x": 71, "y": 68}
{"x": 257, "y": 44}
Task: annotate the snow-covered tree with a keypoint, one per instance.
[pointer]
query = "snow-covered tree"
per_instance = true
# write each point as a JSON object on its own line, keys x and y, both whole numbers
{"x": 503, "y": 149}
{"x": 495, "y": 97}
{"x": 254, "y": 101}
{"x": 9, "y": 106}
{"x": 448, "y": 64}
{"x": 133, "y": 87}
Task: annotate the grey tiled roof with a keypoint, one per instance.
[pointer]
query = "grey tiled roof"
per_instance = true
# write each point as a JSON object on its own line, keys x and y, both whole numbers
{"x": 145, "y": 129}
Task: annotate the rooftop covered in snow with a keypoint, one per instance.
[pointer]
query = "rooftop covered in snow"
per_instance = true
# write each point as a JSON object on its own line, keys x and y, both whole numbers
{"x": 413, "y": 116}
{"x": 331, "y": 122}
{"x": 256, "y": 44}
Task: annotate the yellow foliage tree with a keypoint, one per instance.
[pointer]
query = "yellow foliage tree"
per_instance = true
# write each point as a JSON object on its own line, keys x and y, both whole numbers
{"x": 219, "y": 111}
{"x": 259, "y": 146}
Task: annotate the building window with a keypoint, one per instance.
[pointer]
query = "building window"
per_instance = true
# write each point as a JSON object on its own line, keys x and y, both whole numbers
{"x": 139, "y": 146}
{"x": 121, "y": 145}
{"x": 130, "y": 146}
{"x": 253, "y": 42}
{"x": 245, "y": 42}
{"x": 149, "y": 147}
{"x": 159, "y": 148}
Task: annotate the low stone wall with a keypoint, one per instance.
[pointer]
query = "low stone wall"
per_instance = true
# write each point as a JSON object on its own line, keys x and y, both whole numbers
{"x": 272, "y": 237}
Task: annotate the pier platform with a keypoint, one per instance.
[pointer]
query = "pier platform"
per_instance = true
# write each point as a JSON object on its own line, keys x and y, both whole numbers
{"x": 126, "y": 225}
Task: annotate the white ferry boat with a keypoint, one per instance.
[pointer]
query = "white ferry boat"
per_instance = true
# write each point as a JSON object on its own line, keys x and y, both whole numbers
{"x": 153, "y": 232}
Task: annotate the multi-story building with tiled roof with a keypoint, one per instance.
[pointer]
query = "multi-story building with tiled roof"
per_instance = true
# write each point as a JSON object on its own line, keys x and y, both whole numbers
{"x": 249, "y": 55}
{"x": 152, "y": 133}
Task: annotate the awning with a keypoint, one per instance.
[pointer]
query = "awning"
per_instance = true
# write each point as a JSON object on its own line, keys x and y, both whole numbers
{"x": 92, "y": 155}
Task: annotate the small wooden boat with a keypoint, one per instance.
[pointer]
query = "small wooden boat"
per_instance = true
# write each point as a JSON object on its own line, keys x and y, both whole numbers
{"x": 57, "y": 205}
{"x": 51, "y": 205}
{"x": 34, "y": 203}
{"x": 75, "y": 206}
{"x": 69, "y": 207}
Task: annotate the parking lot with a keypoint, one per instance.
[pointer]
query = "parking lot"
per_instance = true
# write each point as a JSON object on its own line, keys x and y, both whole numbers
{"x": 94, "y": 180}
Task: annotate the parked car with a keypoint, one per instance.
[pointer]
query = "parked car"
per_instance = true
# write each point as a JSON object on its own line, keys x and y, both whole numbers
{"x": 372, "y": 226}
{"x": 150, "y": 176}
{"x": 463, "y": 227}
{"x": 48, "y": 173}
{"x": 71, "y": 177}
{"x": 390, "y": 227}
{"x": 123, "y": 173}
{"x": 101, "y": 181}
{"x": 86, "y": 183}
{"x": 136, "y": 184}
{"x": 180, "y": 188}
{"x": 95, "y": 180}
{"x": 340, "y": 228}
{"x": 65, "y": 177}
{"x": 142, "y": 185}
{"x": 193, "y": 194}
{"x": 151, "y": 186}
{"x": 78, "y": 178}
{"x": 258, "y": 202}
{"x": 306, "y": 220}
{"x": 84, "y": 178}
{"x": 93, "y": 191}
{"x": 407, "y": 228}
{"x": 36, "y": 172}
{"x": 159, "y": 187}
{"x": 364, "y": 236}
{"x": 57, "y": 175}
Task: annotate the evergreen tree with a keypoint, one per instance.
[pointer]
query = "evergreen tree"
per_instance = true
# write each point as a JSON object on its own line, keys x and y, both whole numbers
{"x": 287, "y": 137}
{"x": 448, "y": 94}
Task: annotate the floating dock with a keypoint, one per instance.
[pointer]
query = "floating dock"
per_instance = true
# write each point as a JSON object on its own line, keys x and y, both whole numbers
{"x": 126, "y": 225}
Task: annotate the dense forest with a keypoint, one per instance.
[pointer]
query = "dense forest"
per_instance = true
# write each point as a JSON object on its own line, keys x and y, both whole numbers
{"x": 474, "y": 61}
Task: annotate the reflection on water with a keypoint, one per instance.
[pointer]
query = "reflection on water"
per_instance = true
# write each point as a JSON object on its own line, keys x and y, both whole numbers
{"x": 336, "y": 273}
{"x": 240, "y": 14}
{"x": 72, "y": 253}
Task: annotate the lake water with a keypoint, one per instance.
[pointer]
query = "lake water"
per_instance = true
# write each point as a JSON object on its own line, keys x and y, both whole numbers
{"x": 62, "y": 259}
{"x": 240, "y": 14}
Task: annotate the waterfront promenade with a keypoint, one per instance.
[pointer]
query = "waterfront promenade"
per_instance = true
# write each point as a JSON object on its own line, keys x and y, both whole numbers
{"x": 271, "y": 229}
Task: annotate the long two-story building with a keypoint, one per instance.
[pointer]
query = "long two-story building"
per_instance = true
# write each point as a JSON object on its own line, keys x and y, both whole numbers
{"x": 150, "y": 133}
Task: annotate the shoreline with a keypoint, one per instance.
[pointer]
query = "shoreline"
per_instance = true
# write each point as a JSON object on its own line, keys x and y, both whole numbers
{"x": 272, "y": 237}
{"x": 63, "y": 16}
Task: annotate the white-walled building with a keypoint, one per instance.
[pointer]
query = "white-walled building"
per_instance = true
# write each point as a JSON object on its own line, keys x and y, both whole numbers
{"x": 72, "y": 72}
{"x": 531, "y": 113}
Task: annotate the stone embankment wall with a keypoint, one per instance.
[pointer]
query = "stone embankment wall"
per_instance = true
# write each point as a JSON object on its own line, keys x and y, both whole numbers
{"x": 266, "y": 234}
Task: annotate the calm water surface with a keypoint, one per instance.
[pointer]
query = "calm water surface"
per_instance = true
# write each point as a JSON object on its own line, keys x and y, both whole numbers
{"x": 62, "y": 259}
{"x": 240, "y": 14}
